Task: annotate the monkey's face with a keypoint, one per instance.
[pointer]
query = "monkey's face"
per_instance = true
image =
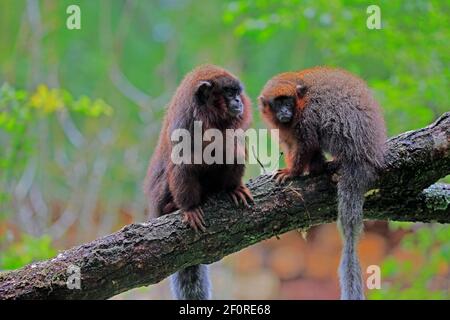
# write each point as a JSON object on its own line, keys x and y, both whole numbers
{"x": 233, "y": 100}
{"x": 283, "y": 100}
{"x": 283, "y": 107}
{"x": 222, "y": 96}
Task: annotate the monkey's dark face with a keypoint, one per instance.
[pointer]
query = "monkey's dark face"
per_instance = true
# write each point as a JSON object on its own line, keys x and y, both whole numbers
{"x": 221, "y": 96}
{"x": 283, "y": 108}
{"x": 233, "y": 100}
{"x": 283, "y": 100}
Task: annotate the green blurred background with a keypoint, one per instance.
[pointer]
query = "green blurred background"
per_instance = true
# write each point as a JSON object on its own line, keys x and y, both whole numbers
{"x": 81, "y": 110}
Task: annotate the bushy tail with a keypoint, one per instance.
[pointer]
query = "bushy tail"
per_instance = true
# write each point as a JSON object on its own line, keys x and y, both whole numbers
{"x": 191, "y": 283}
{"x": 353, "y": 183}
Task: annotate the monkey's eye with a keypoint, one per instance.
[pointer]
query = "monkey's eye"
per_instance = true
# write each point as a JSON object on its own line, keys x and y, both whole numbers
{"x": 231, "y": 92}
{"x": 283, "y": 101}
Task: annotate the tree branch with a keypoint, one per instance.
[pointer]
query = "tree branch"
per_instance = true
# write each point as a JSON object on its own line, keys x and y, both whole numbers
{"x": 145, "y": 253}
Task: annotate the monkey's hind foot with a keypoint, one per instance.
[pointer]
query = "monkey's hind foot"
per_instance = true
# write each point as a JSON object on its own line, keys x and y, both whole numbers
{"x": 282, "y": 175}
{"x": 195, "y": 219}
{"x": 243, "y": 194}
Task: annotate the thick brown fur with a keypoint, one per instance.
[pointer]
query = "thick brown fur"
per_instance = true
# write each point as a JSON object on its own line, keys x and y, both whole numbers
{"x": 170, "y": 186}
{"x": 330, "y": 110}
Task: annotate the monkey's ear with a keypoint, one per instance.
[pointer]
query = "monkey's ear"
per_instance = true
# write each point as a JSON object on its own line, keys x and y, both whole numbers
{"x": 301, "y": 90}
{"x": 262, "y": 101}
{"x": 203, "y": 91}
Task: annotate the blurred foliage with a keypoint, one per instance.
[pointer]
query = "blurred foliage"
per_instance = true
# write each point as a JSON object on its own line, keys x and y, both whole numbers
{"x": 409, "y": 279}
{"x": 406, "y": 62}
{"x": 52, "y": 100}
{"x": 64, "y": 150}
{"x": 14, "y": 120}
{"x": 25, "y": 251}
{"x": 18, "y": 111}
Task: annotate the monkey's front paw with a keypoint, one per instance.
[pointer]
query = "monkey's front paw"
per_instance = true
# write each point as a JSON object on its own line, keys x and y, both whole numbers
{"x": 243, "y": 194}
{"x": 282, "y": 175}
{"x": 195, "y": 219}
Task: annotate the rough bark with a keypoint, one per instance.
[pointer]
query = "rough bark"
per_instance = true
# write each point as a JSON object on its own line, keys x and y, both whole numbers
{"x": 145, "y": 253}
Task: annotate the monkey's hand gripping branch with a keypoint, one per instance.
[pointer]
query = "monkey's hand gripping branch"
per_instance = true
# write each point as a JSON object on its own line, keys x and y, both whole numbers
{"x": 145, "y": 253}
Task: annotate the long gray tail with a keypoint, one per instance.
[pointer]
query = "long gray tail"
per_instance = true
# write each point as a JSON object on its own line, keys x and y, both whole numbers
{"x": 352, "y": 185}
{"x": 191, "y": 283}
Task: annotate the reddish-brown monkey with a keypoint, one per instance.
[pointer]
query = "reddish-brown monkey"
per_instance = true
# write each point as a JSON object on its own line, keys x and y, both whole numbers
{"x": 330, "y": 110}
{"x": 215, "y": 97}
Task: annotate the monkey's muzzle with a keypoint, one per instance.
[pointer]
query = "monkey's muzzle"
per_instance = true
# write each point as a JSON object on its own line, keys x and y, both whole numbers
{"x": 284, "y": 117}
{"x": 236, "y": 107}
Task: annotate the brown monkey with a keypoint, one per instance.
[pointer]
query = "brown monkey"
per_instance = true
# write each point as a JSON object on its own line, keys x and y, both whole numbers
{"x": 330, "y": 110}
{"x": 215, "y": 97}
